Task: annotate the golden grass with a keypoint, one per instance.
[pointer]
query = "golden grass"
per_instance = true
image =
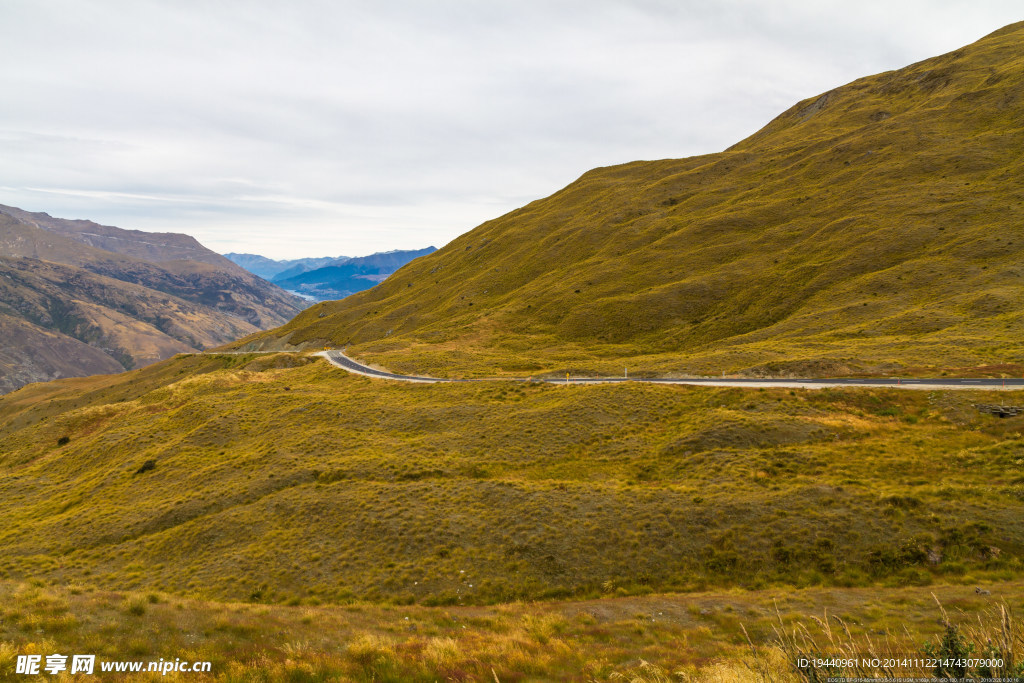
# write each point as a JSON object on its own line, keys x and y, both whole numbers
{"x": 702, "y": 637}
{"x": 231, "y": 478}
{"x": 354, "y": 529}
{"x": 986, "y": 645}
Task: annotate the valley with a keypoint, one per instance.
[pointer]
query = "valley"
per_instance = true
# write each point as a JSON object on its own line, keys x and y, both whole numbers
{"x": 216, "y": 473}
{"x": 322, "y": 279}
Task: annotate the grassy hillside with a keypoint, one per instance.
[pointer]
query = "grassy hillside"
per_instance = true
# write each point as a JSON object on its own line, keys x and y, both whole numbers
{"x": 244, "y": 478}
{"x": 873, "y": 228}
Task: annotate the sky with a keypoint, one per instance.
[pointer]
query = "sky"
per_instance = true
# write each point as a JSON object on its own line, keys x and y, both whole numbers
{"x": 330, "y": 127}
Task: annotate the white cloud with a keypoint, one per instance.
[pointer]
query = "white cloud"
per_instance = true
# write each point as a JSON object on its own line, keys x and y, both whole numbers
{"x": 319, "y": 127}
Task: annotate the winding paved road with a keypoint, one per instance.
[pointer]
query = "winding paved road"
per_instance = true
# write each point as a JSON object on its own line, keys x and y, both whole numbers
{"x": 340, "y": 360}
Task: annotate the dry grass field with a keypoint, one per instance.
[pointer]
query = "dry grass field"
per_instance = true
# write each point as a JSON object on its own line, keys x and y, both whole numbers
{"x": 712, "y": 637}
{"x": 227, "y": 477}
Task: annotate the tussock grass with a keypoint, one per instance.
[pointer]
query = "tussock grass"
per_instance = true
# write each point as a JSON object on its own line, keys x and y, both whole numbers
{"x": 239, "y": 480}
{"x": 986, "y": 644}
{"x": 712, "y": 637}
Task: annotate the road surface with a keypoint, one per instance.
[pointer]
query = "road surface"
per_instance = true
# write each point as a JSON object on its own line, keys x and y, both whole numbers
{"x": 340, "y": 360}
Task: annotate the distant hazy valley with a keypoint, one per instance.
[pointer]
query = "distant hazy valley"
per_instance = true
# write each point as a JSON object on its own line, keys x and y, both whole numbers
{"x": 324, "y": 278}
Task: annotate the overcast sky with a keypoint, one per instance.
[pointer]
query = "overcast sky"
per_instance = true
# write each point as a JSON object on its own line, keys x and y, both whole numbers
{"x": 319, "y": 127}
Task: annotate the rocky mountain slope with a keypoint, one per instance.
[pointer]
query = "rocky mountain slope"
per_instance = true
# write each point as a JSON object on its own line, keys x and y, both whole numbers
{"x": 876, "y": 227}
{"x": 78, "y": 298}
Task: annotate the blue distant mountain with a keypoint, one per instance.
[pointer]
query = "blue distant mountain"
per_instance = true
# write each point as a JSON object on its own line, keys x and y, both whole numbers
{"x": 321, "y": 279}
{"x": 268, "y": 268}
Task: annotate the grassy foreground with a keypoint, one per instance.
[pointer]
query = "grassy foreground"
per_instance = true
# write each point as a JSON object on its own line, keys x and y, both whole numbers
{"x": 288, "y": 521}
{"x": 715, "y": 637}
{"x": 228, "y": 477}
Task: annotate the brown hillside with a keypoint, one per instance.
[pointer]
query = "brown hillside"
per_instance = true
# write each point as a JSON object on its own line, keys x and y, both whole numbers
{"x": 156, "y": 247}
{"x": 72, "y": 309}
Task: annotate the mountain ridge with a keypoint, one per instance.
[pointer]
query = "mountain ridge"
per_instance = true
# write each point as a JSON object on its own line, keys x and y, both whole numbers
{"x": 150, "y": 246}
{"x": 268, "y": 268}
{"x": 827, "y": 239}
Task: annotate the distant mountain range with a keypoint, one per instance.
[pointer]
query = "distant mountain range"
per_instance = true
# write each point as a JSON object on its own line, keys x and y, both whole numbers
{"x": 327, "y": 278}
{"x": 79, "y": 298}
{"x": 268, "y": 268}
